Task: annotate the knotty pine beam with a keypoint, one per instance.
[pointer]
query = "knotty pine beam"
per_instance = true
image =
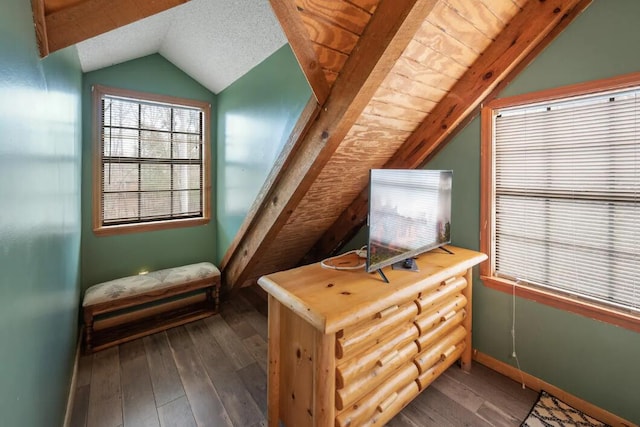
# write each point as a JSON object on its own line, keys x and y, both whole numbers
{"x": 81, "y": 21}
{"x": 528, "y": 33}
{"x": 302, "y": 47}
{"x": 55, "y": 5}
{"x": 38, "y": 8}
{"x": 384, "y": 39}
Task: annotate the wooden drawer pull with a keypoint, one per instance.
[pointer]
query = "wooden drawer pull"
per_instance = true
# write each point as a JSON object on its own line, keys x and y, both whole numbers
{"x": 384, "y": 405}
{"x": 448, "y": 281}
{"x": 387, "y": 311}
{"x": 447, "y": 316}
{"x": 388, "y": 358}
{"x": 448, "y": 352}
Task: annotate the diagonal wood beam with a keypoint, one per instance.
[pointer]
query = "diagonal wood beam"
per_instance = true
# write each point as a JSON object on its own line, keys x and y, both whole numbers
{"x": 37, "y": 8}
{"x": 528, "y": 33}
{"x": 386, "y": 36}
{"x": 301, "y": 45}
{"x": 81, "y": 21}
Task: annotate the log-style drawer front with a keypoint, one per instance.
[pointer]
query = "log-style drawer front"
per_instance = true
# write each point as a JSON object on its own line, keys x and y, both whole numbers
{"x": 352, "y": 340}
{"x": 380, "y": 399}
{"x": 441, "y": 313}
{"x": 446, "y": 359}
{"x": 386, "y": 366}
{"x": 350, "y": 369}
{"x": 432, "y": 355}
{"x": 447, "y": 288}
{"x": 434, "y": 334}
{"x": 393, "y": 405}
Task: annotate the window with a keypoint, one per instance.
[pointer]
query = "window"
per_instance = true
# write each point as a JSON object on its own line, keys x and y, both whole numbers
{"x": 152, "y": 162}
{"x": 561, "y": 198}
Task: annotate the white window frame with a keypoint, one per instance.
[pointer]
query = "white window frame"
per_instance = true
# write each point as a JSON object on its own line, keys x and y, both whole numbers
{"x": 99, "y": 226}
{"x": 629, "y": 319}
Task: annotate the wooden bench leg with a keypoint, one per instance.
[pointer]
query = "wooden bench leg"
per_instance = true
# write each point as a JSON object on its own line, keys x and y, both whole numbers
{"x": 213, "y": 296}
{"x": 88, "y": 330}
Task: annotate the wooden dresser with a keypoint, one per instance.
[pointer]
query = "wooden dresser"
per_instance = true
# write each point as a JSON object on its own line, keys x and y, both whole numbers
{"x": 347, "y": 349}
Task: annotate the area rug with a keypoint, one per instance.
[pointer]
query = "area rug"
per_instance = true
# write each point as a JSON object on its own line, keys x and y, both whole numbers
{"x": 549, "y": 411}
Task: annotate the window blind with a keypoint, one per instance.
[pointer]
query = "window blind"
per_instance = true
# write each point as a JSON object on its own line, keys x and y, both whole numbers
{"x": 152, "y": 161}
{"x": 567, "y": 197}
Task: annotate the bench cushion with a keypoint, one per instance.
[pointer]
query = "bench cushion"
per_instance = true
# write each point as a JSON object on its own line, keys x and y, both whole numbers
{"x": 142, "y": 283}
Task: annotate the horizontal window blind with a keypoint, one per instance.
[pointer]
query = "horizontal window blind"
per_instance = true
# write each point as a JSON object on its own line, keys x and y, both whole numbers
{"x": 152, "y": 161}
{"x": 567, "y": 197}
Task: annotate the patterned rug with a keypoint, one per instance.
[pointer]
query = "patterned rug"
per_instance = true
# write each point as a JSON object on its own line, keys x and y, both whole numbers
{"x": 549, "y": 411}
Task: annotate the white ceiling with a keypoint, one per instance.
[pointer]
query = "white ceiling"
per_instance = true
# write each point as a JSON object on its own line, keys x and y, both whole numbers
{"x": 213, "y": 41}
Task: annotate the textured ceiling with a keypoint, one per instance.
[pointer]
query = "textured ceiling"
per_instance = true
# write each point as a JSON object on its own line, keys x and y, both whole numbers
{"x": 213, "y": 41}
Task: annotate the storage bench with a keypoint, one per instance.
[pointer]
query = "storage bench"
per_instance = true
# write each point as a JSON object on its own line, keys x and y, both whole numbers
{"x": 122, "y": 297}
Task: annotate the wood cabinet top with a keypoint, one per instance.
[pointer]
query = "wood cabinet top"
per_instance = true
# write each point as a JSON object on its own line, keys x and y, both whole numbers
{"x": 332, "y": 299}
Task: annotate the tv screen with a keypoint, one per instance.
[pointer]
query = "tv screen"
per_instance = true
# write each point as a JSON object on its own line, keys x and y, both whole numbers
{"x": 409, "y": 213}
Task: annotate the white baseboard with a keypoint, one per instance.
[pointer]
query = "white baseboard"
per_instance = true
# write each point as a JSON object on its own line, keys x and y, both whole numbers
{"x": 72, "y": 387}
{"x": 537, "y": 384}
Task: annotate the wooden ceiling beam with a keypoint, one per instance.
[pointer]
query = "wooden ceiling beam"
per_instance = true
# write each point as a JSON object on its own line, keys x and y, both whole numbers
{"x": 89, "y": 18}
{"x": 38, "y": 9}
{"x": 302, "y": 47}
{"x": 54, "y": 5}
{"x": 384, "y": 39}
{"x": 528, "y": 33}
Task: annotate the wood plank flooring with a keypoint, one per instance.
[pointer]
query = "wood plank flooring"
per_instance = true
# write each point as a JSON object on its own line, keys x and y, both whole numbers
{"x": 213, "y": 373}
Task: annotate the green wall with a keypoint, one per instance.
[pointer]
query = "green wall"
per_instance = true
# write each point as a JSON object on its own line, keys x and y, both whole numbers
{"x": 109, "y": 257}
{"x": 590, "y": 359}
{"x": 39, "y": 222}
{"x": 255, "y": 117}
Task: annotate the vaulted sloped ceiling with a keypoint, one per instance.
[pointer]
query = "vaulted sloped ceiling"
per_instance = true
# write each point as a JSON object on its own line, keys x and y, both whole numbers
{"x": 393, "y": 80}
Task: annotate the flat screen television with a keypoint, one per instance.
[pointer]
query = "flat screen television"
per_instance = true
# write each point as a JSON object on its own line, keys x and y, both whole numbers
{"x": 409, "y": 213}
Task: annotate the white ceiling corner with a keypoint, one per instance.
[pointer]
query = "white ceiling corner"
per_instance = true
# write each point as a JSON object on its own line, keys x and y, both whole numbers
{"x": 213, "y": 41}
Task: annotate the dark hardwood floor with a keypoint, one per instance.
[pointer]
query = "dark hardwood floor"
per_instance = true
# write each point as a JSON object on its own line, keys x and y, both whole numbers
{"x": 213, "y": 373}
